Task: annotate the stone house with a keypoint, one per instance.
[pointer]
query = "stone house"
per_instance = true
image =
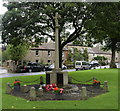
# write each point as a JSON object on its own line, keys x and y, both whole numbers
{"x": 45, "y": 53}
{"x": 94, "y": 51}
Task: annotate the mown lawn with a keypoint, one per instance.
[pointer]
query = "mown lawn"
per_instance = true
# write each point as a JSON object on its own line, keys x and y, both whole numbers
{"x": 105, "y": 101}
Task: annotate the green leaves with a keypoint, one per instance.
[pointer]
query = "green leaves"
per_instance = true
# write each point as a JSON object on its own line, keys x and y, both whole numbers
{"x": 78, "y": 55}
{"x": 36, "y": 16}
{"x": 16, "y": 52}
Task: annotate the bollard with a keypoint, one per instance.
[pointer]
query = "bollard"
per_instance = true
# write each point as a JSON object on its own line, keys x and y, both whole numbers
{"x": 84, "y": 93}
{"x": 32, "y": 94}
{"x": 41, "y": 80}
{"x": 69, "y": 79}
{"x": 105, "y": 87}
{"x": 40, "y": 92}
{"x": 8, "y": 89}
{"x": 25, "y": 89}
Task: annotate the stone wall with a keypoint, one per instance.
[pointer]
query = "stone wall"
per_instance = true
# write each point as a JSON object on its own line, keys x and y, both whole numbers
{"x": 43, "y": 56}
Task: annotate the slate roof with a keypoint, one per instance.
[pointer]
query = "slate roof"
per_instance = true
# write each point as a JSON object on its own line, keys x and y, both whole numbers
{"x": 47, "y": 46}
{"x": 93, "y": 50}
{"x": 97, "y": 50}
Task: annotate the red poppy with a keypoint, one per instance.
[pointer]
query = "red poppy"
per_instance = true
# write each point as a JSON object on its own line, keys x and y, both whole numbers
{"x": 54, "y": 85}
{"x": 61, "y": 90}
{"x": 55, "y": 89}
{"x": 16, "y": 82}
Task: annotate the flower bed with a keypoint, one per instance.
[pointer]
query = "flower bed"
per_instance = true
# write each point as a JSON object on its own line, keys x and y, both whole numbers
{"x": 52, "y": 92}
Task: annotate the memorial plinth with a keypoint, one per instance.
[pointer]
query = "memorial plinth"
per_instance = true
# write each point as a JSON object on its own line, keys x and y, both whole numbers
{"x": 58, "y": 77}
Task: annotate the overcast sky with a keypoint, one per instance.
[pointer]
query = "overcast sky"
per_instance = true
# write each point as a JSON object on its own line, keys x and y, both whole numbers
{"x": 2, "y": 9}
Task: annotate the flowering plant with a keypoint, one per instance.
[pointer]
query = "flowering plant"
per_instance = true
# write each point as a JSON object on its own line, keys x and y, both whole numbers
{"x": 58, "y": 90}
{"x": 53, "y": 87}
{"x": 96, "y": 82}
{"x": 50, "y": 87}
{"x": 16, "y": 83}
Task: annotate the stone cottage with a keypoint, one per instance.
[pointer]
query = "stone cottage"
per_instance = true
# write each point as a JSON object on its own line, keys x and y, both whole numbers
{"x": 45, "y": 53}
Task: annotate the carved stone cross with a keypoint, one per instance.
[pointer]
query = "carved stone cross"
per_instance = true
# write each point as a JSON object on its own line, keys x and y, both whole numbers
{"x": 56, "y": 42}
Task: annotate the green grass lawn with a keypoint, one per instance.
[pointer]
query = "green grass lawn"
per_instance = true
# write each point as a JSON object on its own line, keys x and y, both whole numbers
{"x": 105, "y": 101}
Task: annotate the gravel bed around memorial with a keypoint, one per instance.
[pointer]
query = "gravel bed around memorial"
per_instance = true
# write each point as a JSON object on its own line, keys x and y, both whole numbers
{"x": 73, "y": 93}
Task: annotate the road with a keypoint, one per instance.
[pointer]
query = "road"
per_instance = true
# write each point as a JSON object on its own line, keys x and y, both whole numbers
{"x": 4, "y": 73}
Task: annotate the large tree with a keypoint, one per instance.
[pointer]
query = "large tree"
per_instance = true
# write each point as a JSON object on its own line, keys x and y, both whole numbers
{"x": 29, "y": 21}
{"x": 104, "y": 26}
{"x": 16, "y": 53}
{"x": 77, "y": 55}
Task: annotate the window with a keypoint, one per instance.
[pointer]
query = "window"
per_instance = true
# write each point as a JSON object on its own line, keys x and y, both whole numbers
{"x": 36, "y": 52}
{"x": 49, "y": 53}
{"x": 37, "y": 61}
{"x": 7, "y": 63}
{"x": 49, "y": 61}
{"x": 78, "y": 63}
{"x": 84, "y": 63}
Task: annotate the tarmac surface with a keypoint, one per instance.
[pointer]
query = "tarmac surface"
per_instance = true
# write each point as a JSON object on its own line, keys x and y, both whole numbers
{"x": 4, "y": 73}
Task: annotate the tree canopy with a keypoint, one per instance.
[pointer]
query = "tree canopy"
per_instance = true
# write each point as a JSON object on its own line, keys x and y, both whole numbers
{"x": 77, "y": 55}
{"x": 28, "y": 21}
{"x": 104, "y": 26}
{"x": 15, "y": 53}
{"x": 31, "y": 20}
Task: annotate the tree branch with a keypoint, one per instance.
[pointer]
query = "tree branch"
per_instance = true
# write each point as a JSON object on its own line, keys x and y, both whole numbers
{"x": 75, "y": 34}
{"x": 43, "y": 33}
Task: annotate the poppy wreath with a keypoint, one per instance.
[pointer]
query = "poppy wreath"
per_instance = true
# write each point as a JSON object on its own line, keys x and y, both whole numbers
{"x": 53, "y": 87}
{"x": 96, "y": 82}
{"x": 50, "y": 87}
{"x": 16, "y": 83}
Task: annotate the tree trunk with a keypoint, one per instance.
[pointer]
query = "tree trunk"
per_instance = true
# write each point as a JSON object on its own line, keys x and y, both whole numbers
{"x": 112, "y": 63}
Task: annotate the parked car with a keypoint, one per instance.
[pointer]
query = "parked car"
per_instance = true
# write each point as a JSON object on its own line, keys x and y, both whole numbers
{"x": 82, "y": 65}
{"x": 46, "y": 67}
{"x": 31, "y": 67}
{"x": 51, "y": 67}
{"x": 94, "y": 65}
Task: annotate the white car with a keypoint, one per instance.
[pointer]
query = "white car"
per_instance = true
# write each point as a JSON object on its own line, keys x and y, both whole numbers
{"x": 82, "y": 65}
{"x": 52, "y": 67}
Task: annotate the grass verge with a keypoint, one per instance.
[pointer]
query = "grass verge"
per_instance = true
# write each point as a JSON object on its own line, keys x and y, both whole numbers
{"x": 105, "y": 101}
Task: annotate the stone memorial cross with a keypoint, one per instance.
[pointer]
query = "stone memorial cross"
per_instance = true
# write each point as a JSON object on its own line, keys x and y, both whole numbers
{"x": 56, "y": 42}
